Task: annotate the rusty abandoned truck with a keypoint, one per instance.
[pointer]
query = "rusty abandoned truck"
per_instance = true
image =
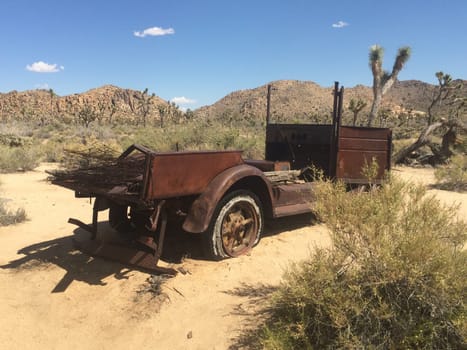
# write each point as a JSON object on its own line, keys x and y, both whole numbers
{"x": 218, "y": 194}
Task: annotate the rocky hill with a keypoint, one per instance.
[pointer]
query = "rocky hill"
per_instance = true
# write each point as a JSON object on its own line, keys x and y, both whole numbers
{"x": 106, "y": 104}
{"x": 290, "y": 100}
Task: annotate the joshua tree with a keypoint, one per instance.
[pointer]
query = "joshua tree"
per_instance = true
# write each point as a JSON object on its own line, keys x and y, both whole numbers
{"x": 86, "y": 115}
{"x": 162, "y": 112}
{"x": 112, "y": 110}
{"x": 52, "y": 96}
{"x": 355, "y": 107}
{"x": 175, "y": 111}
{"x": 444, "y": 93}
{"x": 101, "y": 107}
{"x": 189, "y": 114}
{"x": 383, "y": 80}
{"x": 144, "y": 105}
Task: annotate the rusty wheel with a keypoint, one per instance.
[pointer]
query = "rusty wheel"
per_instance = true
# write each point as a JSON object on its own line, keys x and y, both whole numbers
{"x": 236, "y": 226}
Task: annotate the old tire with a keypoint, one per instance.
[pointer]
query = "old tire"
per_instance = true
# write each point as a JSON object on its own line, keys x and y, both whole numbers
{"x": 235, "y": 227}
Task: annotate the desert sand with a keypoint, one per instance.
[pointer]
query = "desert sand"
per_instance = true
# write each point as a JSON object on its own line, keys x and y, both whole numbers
{"x": 54, "y": 297}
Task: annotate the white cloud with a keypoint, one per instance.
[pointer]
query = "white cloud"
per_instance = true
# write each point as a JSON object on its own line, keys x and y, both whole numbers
{"x": 42, "y": 67}
{"x": 182, "y": 100}
{"x": 340, "y": 24}
{"x": 154, "y": 31}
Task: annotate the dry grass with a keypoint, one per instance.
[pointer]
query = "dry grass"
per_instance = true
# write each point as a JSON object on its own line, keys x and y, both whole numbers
{"x": 11, "y": 217}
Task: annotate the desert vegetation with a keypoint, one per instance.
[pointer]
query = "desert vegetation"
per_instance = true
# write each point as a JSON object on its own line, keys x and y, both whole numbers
{"x": 394, "y": 278}
{"x": 384, "y": 80}
{"x": 453, "y": 175}
{"x": 24, "y": 145}
{"x": 9, "y": 216}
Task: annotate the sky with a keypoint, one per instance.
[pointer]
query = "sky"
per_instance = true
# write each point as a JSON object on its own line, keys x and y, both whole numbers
{"x": 195, "y": 52}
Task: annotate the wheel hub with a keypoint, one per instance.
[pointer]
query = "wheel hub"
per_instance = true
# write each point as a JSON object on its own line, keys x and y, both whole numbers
{"x": 237, "y": 231}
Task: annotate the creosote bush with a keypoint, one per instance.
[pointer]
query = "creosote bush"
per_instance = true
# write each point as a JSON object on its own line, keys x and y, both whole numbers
{"x": 395, "y": 277}
{"x": 9, "y": 217}
{"x": 453, "y": 176}
{"x": 18, "y": 158}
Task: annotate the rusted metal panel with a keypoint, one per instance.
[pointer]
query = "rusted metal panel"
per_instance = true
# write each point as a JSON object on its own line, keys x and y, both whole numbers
{"x": 267, "y": 165}
{"x": 293, "y": 199}
{"x": 359, "y": 132}
{"x": 288, "y": 194}
{"x": 292, "y": 209}
{"x": 186, "y": 173}
{"x": 358, "y": 148}
{"x": 350, "y": 164}
{"x": 363, "y": 144}
{"x": 263, "y": 165}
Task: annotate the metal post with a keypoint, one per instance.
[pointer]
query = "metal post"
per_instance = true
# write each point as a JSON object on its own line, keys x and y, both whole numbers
{"x": 334, "y": 107}
{"x": 333, "y": 138}
{"x": 268, "y": 104}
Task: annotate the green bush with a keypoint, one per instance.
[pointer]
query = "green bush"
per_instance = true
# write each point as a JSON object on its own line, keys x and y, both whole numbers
{"x": 18, "y": 158}
{"x": 52, "y": 152}
{"x": 453, "y": 176}
{"x": 395, "y": 277}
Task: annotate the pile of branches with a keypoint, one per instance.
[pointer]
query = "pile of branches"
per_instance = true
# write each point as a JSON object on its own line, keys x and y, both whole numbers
{"x": 99, "y": 168}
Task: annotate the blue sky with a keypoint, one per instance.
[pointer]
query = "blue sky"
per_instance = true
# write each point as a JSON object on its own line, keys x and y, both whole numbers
{"x": 196, "y": 52}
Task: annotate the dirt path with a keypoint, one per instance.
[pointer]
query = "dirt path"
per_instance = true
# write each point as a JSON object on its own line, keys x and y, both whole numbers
{"x": 426, "y": 177}
{"x": 54, "y": 297}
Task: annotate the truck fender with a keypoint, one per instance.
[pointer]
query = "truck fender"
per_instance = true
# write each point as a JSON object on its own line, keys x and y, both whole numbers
{"x": 238, "y": 177}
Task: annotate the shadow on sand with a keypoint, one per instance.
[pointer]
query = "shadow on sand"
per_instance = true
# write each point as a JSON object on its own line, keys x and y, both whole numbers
{"x": 81, "y": 267}
{"x": 61, "y": 252}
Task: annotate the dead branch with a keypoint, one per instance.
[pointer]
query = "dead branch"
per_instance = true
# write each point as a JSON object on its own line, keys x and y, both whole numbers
{"x": 425, "y": 139}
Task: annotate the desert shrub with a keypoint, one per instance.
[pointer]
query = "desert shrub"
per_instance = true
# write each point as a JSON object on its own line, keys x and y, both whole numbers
{"x": 395, "y": 277}
{"x": 52, "y": 151}
{"x": 196, "y": 135}
{"x": 18, "y": 158}
{"x": 10, "y": 217}
{"x": 14, "y": 140}
{"x": 453, "y": 176}
{"x": 15, "y": 127}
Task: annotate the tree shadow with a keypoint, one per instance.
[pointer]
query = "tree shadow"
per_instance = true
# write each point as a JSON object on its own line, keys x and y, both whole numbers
{"x": 448, "y": 186}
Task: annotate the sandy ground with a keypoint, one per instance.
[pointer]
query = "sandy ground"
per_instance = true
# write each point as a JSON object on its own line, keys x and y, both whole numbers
{"x": 54, "y": 297}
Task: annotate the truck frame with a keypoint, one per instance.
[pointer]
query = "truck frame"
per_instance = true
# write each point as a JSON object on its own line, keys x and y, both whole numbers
{"x": 218, "y": 194}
